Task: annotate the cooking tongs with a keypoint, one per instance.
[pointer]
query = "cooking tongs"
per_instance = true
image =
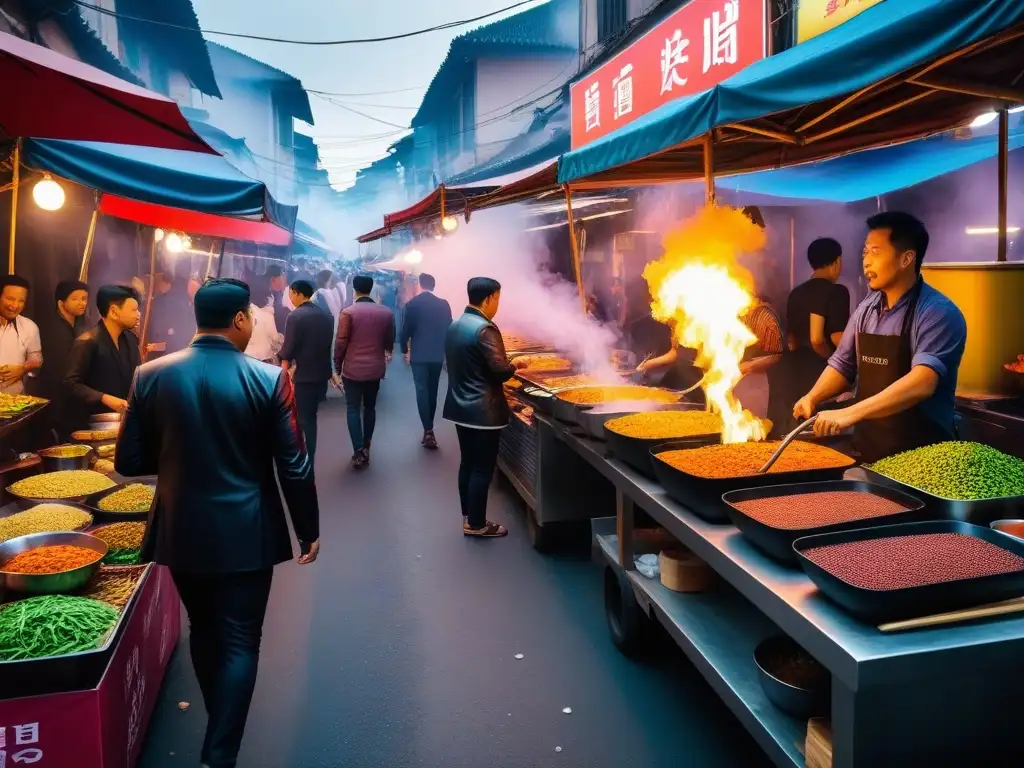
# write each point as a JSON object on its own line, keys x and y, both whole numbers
{"x": 785, "y": 443}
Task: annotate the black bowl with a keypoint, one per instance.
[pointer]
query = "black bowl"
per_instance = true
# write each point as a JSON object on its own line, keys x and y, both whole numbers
{"x": 796, "y": 700}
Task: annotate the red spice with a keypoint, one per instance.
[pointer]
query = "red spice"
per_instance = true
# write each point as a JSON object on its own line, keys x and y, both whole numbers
{"x": 54, "y": 559}
{"x": 816, "y": 510}
{"x": 899, "y": 562}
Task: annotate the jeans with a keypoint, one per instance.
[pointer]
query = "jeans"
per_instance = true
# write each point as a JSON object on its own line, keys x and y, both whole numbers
{"x": 225, "y": 614}
{"x": 361, "y": 400}
{"x": 307, "y": 402}
{"x": 479, "y": 448}
{"x": 426, "y": 377}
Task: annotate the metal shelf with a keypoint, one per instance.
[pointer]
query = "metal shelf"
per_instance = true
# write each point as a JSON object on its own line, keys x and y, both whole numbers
{"x": 718, "y": 631}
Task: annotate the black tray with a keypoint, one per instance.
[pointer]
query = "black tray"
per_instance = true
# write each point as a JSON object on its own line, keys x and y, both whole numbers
{"x": 102, "y": 516}
{"x": 636, "y": 451}
{"x": 879, "y": 606}
{"x": 703, "y": 496}
{"x": 977, "y": 511}
{"x": 778, "y": 542}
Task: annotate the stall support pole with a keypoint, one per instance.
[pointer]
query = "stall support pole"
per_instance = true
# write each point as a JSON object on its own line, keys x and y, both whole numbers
{"x": 709, "y": 169}
{"x": 1004, "y": 152}
{"x": 220, "y": 259}
{"x": 90, "y": 239}
{"x": 792, "y": 252}
{"x": 15, "y": 181}
{"x": 575, "y": 243}
{"x": 149, "y": 299}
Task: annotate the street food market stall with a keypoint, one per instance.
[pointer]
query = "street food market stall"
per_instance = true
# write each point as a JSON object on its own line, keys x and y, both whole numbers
{"x": 847, "y": 615}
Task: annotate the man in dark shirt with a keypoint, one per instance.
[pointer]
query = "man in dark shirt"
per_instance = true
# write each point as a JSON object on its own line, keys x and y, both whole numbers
{"x": 818, "y": 309}
{"x": 306, "y": 354}
{"x": 103, "y": 360}
{"x": 816, "y": 316}
{"x": 278, "y": 283}
{"x": 424, "y": 325}
{"x": 58, "y": 337}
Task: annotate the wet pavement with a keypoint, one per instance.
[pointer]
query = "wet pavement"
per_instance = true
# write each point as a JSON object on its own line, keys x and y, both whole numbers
{"x": 397, "y": 647}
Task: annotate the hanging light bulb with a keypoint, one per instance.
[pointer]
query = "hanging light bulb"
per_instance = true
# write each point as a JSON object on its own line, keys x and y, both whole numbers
{"x": 158, "y": 234}
{"x": 449, "y": 223}
{"x": 48, "y": 194}
{"x": 984, "y": 119}
{"x": 173, "y": 243}
{"x": 413, "y": 257}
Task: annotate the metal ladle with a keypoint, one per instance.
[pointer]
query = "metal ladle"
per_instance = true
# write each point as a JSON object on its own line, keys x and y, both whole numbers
{"x": 785, "y": 443}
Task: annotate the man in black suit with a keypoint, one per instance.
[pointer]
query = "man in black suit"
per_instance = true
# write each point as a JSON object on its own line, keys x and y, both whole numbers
{"x": 306, "y": 355}
{"x": 214, "y": 424}
{"x": 104, "y": 359}
{"x": 425, "y": 324}
{"x": 58, "y": 336}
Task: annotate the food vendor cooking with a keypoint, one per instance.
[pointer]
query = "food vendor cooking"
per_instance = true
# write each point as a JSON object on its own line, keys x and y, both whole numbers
{"x": 20, "y": 348}
{"x": 902, "y": 347}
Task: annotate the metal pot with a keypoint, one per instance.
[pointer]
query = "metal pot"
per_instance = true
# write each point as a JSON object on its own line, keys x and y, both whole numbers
{"x": 50, "y": 583}
{"x": 54, "y": 463}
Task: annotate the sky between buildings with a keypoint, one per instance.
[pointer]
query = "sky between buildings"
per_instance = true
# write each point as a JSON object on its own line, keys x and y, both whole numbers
{"x": 349, "y": 141}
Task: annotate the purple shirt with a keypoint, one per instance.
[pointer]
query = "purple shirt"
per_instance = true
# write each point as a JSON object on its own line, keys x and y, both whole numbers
{"x": 938, "y": 334}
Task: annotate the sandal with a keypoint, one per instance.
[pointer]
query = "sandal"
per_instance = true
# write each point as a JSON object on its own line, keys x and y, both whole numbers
{"x": 429, "y": 441}
{"x": 489, "y": 531}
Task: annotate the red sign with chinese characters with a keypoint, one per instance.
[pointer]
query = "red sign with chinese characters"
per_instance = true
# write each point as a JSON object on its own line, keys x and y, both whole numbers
{"x": 697, "y": 47}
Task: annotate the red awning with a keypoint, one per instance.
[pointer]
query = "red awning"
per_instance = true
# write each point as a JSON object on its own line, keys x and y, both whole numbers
{"x": 226, "y": 227}
{"x": 47, "y": 95}
{"x": 376, "y": 234}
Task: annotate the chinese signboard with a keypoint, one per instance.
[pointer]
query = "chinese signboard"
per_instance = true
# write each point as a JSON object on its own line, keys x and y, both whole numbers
{"x": 814, "y": 17}
{"x": 697, "y": 47}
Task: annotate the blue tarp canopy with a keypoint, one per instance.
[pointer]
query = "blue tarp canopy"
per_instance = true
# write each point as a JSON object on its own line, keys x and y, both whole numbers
{"x": 868, "y": 174}
{"x": 190, "y": 181}
{"x": 900, "y": 70}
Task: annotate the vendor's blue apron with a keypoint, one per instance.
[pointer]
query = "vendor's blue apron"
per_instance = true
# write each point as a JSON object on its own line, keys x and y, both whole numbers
{"x": 882, "y": 360}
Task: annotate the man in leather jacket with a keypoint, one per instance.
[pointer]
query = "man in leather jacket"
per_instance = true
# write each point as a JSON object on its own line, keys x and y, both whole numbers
{"x": 213, "y": 424}
{"x": 477, "y": 369}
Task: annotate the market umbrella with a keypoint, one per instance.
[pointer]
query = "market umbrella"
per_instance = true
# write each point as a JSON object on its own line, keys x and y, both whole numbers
{"x": 51, "y": 96}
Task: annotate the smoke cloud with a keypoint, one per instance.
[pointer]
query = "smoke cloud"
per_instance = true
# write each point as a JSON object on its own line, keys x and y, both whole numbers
{"x": 535, "y": 303}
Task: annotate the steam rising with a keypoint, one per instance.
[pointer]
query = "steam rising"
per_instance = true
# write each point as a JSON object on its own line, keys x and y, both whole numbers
{"x": 535, "y": 303}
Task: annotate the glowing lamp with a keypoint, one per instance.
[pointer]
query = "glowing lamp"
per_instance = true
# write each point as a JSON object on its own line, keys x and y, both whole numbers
{"x": 158, "y": 234}
{"x": 413, "y": 257}
{"x": 48, "y": 194}
{"x": 173, "y": 243}
{"x": 449, "y": 224}
{"x": 982, "y": 120}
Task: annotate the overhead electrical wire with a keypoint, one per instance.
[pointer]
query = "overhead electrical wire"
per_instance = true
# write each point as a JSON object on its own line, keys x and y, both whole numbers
{"x": 288, "y": 41}
{"x": 369, "y": 93}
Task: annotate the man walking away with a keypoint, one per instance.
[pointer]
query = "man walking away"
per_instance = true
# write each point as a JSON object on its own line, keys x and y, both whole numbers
{"x": 362, "y": 350}
{"x": 213, "y": 424}
{"x": 103, "y": 360}
{"x": 306, "y": 354}
{"x": 477, "y": 369}
{"x": 425, "y": 324}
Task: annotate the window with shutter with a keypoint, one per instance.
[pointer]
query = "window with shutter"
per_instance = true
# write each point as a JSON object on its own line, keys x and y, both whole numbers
{"x": 611, "y": 17}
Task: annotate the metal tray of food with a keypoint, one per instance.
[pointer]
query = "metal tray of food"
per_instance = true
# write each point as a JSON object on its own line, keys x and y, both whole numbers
{"x": 978, "y": 511}
{"x": 592, "y": 420}
{"x": 27, "y": 502}
{"x": 778, "y": 542}
{"x": 569, "y": 413}
{"x": 703, "y": 495}
{"x": 92, "y": 503}
{"x": 883, "y": 605}
{"x": 80, "y": 671}
{"x": 636, "y": 451}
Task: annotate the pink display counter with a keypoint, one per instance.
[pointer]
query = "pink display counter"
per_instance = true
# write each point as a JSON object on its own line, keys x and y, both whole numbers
{"x": 103, "y": 727}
